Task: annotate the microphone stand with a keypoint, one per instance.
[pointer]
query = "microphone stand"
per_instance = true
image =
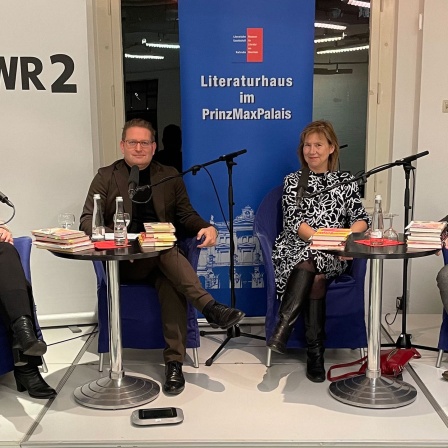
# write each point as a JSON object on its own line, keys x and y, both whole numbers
{"x": 234, "y": 331}
{"x": 404, "y": 340}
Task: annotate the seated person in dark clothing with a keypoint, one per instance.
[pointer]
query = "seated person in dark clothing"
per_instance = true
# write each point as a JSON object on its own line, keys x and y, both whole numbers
{"x": 171, "y": 155}
{"x": 17, "y": 311}
{"x": 170, "y": 272}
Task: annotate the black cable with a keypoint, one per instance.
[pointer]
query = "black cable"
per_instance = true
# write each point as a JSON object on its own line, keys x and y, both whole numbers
{"x": 219, "y": 200}
{"x": 13, "y": 214}
{"x": 393, "y": 320}
{"x": 71, "y": 339}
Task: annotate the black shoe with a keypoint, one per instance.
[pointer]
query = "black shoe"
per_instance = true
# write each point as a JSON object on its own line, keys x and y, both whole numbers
{"x": 219, "y": 315}
{"x": 315, "y": 370}
{"x": 24, "y": 341}
{"x": 174, "y": 379}
{"x": 29, "y": 378}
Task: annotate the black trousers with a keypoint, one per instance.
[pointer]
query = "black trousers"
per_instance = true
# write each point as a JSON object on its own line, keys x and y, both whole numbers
{"x": 176, "y": 282}
{"x": 16, "y": 296}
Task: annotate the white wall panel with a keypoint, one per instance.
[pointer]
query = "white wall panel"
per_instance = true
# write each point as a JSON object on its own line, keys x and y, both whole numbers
{"x": 46, "y": 141}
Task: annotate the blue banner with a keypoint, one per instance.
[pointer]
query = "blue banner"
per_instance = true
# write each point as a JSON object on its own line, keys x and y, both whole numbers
{"x": 246, "y": 83}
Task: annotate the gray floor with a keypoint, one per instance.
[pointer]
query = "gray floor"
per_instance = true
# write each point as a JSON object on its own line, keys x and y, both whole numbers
{"x": 236, "y": 402}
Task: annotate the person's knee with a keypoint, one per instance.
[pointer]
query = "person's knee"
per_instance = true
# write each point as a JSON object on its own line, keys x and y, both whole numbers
{"x": 7, "y": 250}
{"x": 442, "y": 278}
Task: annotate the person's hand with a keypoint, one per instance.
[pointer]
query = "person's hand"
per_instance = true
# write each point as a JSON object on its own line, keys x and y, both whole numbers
{"x": 5, "y": 236}
{"x": 209, "y": 234}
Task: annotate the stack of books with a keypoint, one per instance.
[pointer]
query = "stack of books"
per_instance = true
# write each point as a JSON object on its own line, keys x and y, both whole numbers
{"x": 62, "y": 240}
{"x": 330, "y": 239}
{"x": 426, "y": 234}
{"x": 157, "y": 234}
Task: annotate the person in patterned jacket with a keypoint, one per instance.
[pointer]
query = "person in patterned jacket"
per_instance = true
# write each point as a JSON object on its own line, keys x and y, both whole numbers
{"x": 301, "y": 273}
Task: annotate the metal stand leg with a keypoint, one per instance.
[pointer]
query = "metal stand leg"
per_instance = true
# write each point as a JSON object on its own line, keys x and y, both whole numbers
{"x": 116, "y": 391}
{"x": 268, "y": 357}
{"x": 195, "y": 358}
{"x": 439, "y": 358}
{"x": 372, "y": 390}
{"x": 45, "y": 368}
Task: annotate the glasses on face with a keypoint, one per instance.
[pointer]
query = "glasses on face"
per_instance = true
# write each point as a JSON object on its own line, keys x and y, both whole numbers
{"x": 143, "y": 143}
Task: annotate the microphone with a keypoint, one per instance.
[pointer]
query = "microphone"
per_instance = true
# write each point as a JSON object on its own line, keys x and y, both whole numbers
{"x": 133, "y": 181}
{"x": 411, "y": 158}
{"x": 232, "y": 155}
{"x": 5, "y": 200}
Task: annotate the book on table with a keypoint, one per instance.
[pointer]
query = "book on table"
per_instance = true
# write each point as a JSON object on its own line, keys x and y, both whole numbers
{"x": 323, "y": 246}
{"x": 157, "y": 239}
{"x": 424, "y": 245}
{"x": 159, "y": 227}
{"x": 426, "y": 226}
{"x": 61, "y": 240}
{"x": 331, "y": 234}
{"x": 58, "y": 233}
{"x": 70, "y": 248}
{"x": 426, "y": 234}
{"x": 158, "y": 234}
{"x": 426, "y": 237}
{"x": 58, "y": 240}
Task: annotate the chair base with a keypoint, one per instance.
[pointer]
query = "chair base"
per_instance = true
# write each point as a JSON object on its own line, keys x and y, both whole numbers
{"x": 439, "y": 358}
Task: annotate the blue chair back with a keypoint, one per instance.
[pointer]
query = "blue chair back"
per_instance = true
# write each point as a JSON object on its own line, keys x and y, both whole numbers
{"x": 345, "y": 324}
{"x": 141, "y": 324}
{"x": 443, "y": 336}
{"x": 23, "y": 247}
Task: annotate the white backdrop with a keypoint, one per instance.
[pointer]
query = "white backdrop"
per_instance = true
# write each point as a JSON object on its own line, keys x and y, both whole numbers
{"x": 46, "y": 160}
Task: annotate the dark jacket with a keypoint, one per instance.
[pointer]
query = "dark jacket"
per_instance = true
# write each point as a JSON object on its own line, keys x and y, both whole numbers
{"x": 170, "y": 198}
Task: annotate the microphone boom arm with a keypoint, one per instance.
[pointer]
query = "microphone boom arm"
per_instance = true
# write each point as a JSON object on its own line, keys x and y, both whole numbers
{"x": 194, "y": 169}
{"x": 363, "y": 176}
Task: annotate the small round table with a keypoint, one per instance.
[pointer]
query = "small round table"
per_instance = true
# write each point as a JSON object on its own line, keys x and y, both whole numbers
{"x": 371, "y": 390}
{"x": 116, "y": 391}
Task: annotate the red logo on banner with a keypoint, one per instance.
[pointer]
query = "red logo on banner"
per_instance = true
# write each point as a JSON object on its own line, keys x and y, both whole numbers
{"x": 254, "y": 44}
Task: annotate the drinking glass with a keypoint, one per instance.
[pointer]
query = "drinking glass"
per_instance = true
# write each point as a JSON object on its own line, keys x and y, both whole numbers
{"x": 127, "y": 219}
{"x": 66, "y": 220}
{"x": 390, "y": 233}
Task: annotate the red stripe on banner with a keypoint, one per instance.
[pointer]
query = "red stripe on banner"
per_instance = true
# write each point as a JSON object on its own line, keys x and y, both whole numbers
{"x": 254, "y": 45}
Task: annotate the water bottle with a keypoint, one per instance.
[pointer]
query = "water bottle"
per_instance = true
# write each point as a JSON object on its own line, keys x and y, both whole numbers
{"x": 120, "y": 229}
{"x": 97, "y": 219}
{"x": 377, "y": 227}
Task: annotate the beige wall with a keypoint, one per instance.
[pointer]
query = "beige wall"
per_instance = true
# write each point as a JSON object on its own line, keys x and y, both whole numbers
{"x": 419, "y": 125}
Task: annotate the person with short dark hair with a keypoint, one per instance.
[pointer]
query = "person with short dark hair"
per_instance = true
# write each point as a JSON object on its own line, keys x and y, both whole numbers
{"x": 170, "y": 272}
{"x": 301, "y": 273}
{"x": 171, "y": 154}
{"x": 17, "y": 313}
